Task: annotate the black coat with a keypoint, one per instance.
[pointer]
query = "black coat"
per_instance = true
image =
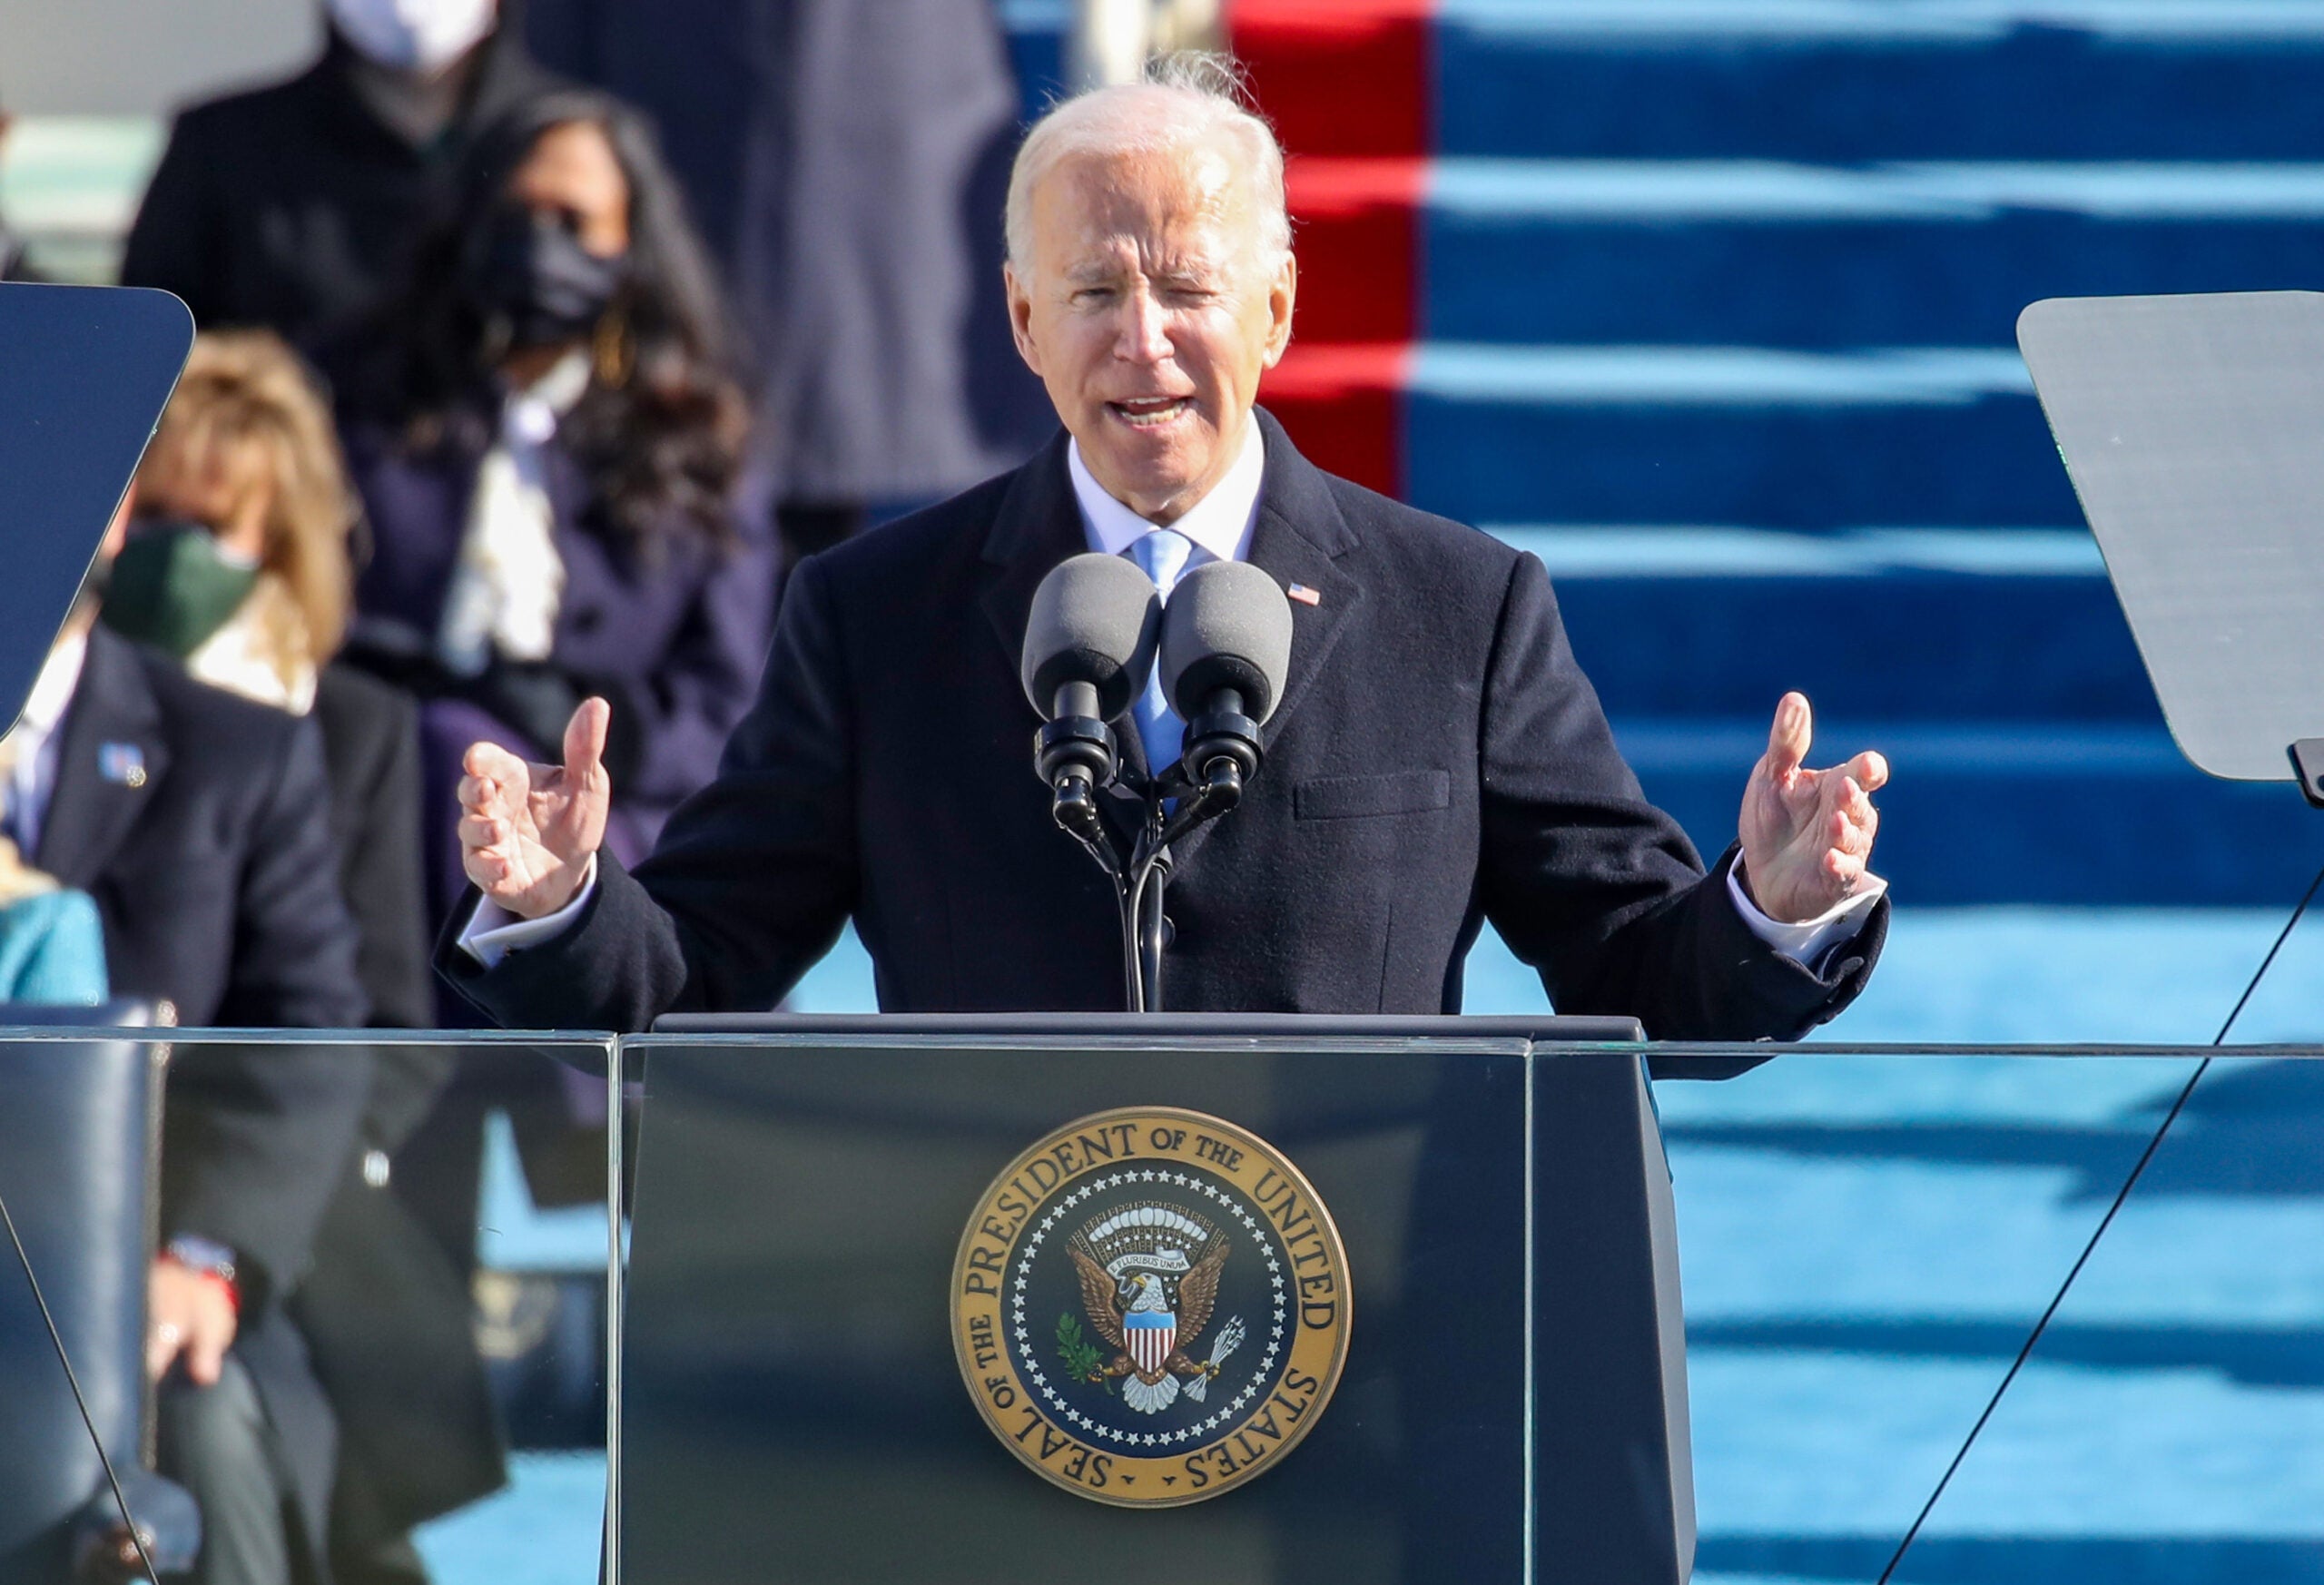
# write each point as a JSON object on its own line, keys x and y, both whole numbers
{"x": 1438, "y": 759}
{"x": 371, "y": 736}
{"x": 294, "y": 206}
{"x": 202, "y": 825}
{"x": 200, "y": 822}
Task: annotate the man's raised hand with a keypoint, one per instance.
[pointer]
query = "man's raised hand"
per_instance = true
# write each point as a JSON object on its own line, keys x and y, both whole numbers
{"x": 1807, "y": 834}
{"x": 529, "y": 831}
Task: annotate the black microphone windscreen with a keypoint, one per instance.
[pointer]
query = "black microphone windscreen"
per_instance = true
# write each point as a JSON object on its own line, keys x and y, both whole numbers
{"x": 1096, "y": 619}
{"x": 1226, "y": 626}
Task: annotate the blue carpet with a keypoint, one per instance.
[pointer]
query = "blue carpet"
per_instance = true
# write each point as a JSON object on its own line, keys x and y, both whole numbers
{"x": 543, "y": 1529}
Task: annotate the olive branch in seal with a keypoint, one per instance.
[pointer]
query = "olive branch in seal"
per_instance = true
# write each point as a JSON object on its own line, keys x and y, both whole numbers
{"x": 1081, "y": 1357}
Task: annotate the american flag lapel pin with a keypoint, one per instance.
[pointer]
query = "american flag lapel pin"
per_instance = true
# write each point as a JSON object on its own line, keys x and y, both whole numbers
{"x": 1305, "y": 596}
{"x": 122, "y": 763}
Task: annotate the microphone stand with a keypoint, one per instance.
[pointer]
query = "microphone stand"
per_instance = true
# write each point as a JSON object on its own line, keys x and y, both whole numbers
{"x": 1141, "y": 878}
{"x": 1074, "y": 754}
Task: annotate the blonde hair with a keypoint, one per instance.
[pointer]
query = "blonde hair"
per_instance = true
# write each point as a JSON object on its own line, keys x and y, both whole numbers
{"x": 1189, "y": 100}
{"x": 248, "y": 414}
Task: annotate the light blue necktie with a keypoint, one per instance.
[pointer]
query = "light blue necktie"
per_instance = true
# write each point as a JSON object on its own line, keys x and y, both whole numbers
{"x": 1164, "y": 554}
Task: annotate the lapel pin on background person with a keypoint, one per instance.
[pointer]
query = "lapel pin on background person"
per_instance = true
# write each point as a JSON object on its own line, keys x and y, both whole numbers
{"x": 122, "y": 762}
{"x": 1305, "y": 596}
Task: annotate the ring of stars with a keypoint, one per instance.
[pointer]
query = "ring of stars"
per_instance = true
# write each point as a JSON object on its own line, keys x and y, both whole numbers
{"x": 1261, "y": 1234}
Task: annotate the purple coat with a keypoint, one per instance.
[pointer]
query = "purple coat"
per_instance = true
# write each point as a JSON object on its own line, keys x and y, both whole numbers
{"x": 674, "y": 637}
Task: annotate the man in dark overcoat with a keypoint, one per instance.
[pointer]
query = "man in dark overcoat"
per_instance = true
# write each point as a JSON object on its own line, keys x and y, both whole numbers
{"x": 1437, "y": 758}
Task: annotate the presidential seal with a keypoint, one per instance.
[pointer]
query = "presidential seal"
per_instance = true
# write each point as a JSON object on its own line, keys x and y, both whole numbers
{"x": 1150, "y": 1306}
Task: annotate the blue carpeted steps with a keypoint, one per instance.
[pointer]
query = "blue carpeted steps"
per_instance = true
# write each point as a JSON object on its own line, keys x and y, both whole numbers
{"x": 1993, "y": 669}
{"x": 1759, "y": 263}
{"x": 1760, "y": 253}
{"x": 2023, "y": 649}
{"x": 1730, "y": 435}
{"x": 1848, "y": 80}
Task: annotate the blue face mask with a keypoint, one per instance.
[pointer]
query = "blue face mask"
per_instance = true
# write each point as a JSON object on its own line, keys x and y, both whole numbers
{"x": 172, "y": 587}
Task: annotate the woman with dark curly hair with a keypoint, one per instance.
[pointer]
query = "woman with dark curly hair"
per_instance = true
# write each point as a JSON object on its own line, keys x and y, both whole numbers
{"x": 544, "y": 428}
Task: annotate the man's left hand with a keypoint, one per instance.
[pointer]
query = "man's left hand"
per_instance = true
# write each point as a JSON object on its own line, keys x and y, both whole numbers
{"x": 1807, "y": 834}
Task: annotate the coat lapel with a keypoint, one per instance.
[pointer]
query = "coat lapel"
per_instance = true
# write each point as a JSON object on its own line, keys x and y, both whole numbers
{"x": 111, "y": 757}
{"x": 1037, "y": 527}
{"x": 1299, "y": 537}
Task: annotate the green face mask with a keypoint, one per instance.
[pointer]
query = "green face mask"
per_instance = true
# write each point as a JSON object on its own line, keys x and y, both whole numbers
{"x": 171, "y": 588}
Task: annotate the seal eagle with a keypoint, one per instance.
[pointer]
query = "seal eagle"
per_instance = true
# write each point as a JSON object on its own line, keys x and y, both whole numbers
{"x": 1141, "y": 1302}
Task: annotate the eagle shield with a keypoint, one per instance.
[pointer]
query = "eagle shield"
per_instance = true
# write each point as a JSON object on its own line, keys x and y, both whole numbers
{"x": 1151, "y": 1336}
{"x": 1149, "y": 1277}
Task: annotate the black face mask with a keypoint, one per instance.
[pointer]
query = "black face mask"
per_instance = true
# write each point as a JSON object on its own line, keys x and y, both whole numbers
{"x": 534, "y": 276}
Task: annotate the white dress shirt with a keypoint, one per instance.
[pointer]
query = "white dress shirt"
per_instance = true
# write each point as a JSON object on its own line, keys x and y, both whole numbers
{"x": 510, "y": 581}
{"x": 1221, "y": 526}
{"x": 32, "y": 745}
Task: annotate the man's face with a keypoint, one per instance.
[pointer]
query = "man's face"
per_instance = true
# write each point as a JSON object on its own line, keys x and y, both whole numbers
{"x": 1149, "y": 308}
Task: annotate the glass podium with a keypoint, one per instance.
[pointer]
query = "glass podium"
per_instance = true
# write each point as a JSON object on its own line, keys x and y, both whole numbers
{"x": 1866, "y": 1237}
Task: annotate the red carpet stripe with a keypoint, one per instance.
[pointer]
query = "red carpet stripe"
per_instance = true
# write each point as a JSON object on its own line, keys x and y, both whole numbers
{"x": 1340, "y": 76}
{"x": 1347, "y": 83}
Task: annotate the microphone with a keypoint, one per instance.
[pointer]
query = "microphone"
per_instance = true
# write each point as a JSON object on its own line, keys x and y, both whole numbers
{"x": 1089, "y": 645}
{"x": 1226, "y": 650}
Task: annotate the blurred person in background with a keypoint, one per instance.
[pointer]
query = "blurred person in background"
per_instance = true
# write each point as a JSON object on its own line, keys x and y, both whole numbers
{"x": 292, "y": 206}
{"x": 848, "y": 162}
{"x": 238, "y": 566}
{"x": 544, "y": 431}
{"x": 199, "y": 825}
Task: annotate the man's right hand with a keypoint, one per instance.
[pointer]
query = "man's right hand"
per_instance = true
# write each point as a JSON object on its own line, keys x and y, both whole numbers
{"x": 529, "y": 831}
{"x": 190, "y": 1316}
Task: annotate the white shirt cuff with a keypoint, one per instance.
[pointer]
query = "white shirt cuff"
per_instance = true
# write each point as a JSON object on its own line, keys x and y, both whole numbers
{"x": 493, "y": 932}
{"x": 1809, "y": 939}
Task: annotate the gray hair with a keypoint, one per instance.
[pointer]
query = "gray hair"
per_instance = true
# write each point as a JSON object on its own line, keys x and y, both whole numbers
{"x": 1189, "y": 99}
